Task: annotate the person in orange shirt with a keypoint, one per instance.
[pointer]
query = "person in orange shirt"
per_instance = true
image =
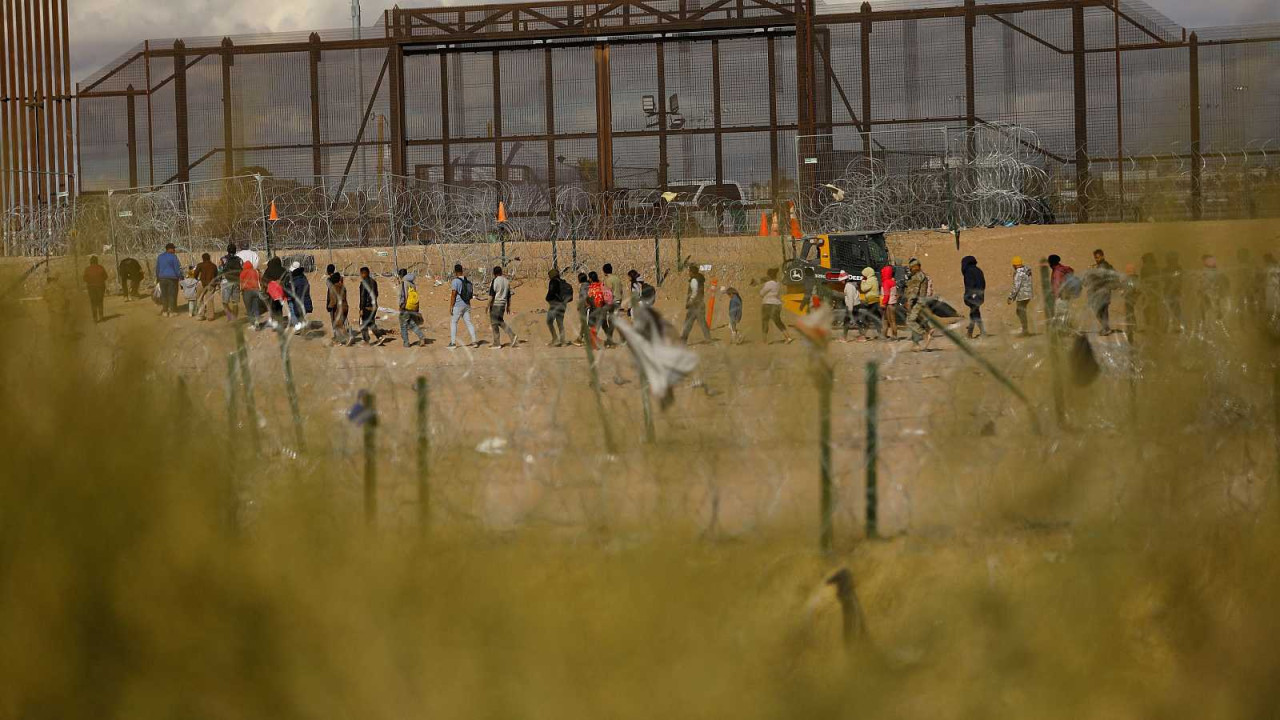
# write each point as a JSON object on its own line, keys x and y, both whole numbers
{"x": 95, "y": 280}
{"x": 251, "y": 288}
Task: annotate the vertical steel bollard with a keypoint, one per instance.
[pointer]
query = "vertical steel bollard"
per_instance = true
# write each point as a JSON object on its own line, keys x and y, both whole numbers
{"x": 370, "y": 461}
{"x": 873, "y": 448}
{"x": 424, "y": 458}
{"x": 826, "y": 378}
{"x": 657, "y": 258}
{"x": 1050, "y": 308}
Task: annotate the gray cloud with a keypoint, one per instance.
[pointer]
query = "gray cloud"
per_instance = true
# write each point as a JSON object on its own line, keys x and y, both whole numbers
{"x": 101, "y": 30}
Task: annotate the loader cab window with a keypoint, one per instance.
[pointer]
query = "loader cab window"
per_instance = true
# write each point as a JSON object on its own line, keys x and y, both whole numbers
{"x": 811, "y": 250}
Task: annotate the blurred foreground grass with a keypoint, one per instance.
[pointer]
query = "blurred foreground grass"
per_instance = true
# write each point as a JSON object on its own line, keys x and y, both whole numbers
{"x": 124, "y": 591}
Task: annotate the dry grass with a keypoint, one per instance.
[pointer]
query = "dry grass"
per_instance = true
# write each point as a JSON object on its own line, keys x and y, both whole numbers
{"x": 1121, "y": 568}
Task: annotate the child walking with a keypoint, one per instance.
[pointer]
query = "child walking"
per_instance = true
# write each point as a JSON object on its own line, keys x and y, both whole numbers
{"x": 735, "y": 315}
{"x": 190, "y": 290}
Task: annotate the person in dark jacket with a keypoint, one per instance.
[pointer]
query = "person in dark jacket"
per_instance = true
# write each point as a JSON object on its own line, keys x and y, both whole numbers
{"x": 1102, "y": 280}
{"x": 975, "y": 293}
{"x": 95, "y": 281}
{"x": 275, "y": 272}
{"x": 130, "y": 274}
{"x": 168, "y": 273}
{"x": 557, "y": 303}
{"x": 299, "y": 297}
{"x": 369, "y": 331}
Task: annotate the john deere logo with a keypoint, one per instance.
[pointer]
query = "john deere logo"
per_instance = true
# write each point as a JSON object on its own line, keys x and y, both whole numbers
{"x": 797, "y": 275}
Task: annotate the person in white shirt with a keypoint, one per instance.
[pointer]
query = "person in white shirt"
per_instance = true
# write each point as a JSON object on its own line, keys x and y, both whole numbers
{"x": 499, "y": 306}
{"x": 771, "y": 307}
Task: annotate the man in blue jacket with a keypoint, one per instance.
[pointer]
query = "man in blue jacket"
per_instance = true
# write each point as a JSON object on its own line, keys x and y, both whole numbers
{"x": 168, "y": 273}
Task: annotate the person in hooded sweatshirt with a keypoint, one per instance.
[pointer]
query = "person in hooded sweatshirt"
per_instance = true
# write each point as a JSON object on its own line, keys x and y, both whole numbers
{"x": 299, "y": 296}
{"x": 889, "y": 302}
{"x": 410, "y": 306}
{"x": 1022, "y": 292}
{"x": 275, "y": 273}
{"x": 251, "y": 288}
{"x": 975, "y": 294}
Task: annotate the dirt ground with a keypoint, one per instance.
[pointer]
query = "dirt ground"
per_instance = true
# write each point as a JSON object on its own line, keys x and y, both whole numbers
{"x": 747, "y": 417}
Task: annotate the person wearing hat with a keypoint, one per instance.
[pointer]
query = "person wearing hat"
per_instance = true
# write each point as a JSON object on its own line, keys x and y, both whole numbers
{"x": 919, "y": 288}
{"x": 1022, "y": 293}
{"x": 410, "y": 309}
{"x": 299, "y": 296}
{"x": 168, "y": 274}
{"x": 975, "y": 294}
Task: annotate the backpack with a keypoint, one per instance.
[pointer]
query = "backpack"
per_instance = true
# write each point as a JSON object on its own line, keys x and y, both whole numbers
{"x": 467, "y": 291}
{"x": 566, "y": 291}
{"x": 595, "y": 295}
{"x": 412, "y": 300}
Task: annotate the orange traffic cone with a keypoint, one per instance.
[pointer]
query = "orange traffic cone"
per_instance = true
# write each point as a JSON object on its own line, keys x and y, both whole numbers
{"x": 711, "y": 306}
{"x": 764, "y": 224}
{"x": 502, "y": 212}
{"x": 795, "y": 228}
{"x": 273, "y": 215}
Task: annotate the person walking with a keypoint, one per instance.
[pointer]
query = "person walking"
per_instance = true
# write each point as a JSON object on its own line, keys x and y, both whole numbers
{"x": 975, "y": 294}
{"x": 168, "y": 274}
{"x": 95, "y": 281}
{"x": 615, "y": 287}
{"x": 641, "y": 292}
{"x": 584, "y": 309}
{"x": 1066, "y": 287}
{"x": 1101, "y": 281}
{"x": 695, "y": 305}
{"x": 331, "y": 300}
{"x": 735, "y": 315}
{"x": 190, "y": 286}
{"x": 499, "y": 307}
{"x": 559, "y": 295}
{"x": 1022, "y": 292}
{"x": 130, "y": 275}
{"x": 368, "y": 302}
{"x": 251, "y": 288}
{"x": 410, "y": 307}
{"x": 339, "y": 311}
{"x": 460, "y": 294}
{"x": 889, "y": 302}
{"x": 299, "y": 291}
{"x": 207, "y": 276}
{"x": 597, "y": 306}
{"x": 275, "y": 273}
{"x": 771, "y": 307}
{"x": 229, "y": 271}
{"x": 918, "y": 290}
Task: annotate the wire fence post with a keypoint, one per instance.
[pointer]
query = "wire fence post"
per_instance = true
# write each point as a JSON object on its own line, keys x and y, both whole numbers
{"x": 291, "y": 389}
{"x": 263, "y": 214}
{"x": 246, "y": 378}
{"x": 587, "y": 342}
{"x": 393, "y": 227}
{"x": 111, "y": 232}
{"x": 826, "y": 379}
{"x": 873, "y": 447}
{"x": 230, "y": 490}
{"x": 1051, "y": 325}
{"x": 573, "y": 239}
{"x": 328, "y": 217}
{"x": 424, "y": 458}
{"x": 657, "y": 257}
{"x": 370, "y": 461}
{"x": 650, "y": 434}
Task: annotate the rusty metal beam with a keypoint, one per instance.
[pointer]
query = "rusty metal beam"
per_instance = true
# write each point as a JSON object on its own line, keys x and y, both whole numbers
{"x": 604, "y": 119}
{"x": 775, "y": 176}
{"x": 395, "y": 57}
{"x": 67, "y": 132}
{"x": 28, "y": 94}
{"x": 131, "y": 138}
{"x": 550, "y": 108}
{"x": 228, "y": 111}
{"x": 1081, "y": 104}
{"x": 1197, "y": 160}
{"x": 6, "y": 143}
{"x": 313, "y": 68}
{"x": 1027, "y": 33}
{"x": 364, "y": 123}
{"x": 715, "y": 109}
{"x": 182, "y": 155}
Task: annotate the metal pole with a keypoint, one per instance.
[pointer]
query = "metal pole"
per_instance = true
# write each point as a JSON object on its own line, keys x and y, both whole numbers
{"x": 873, "y": 448}
{"x": 370, "y": 462}
{"x": 111, "y": 231}
{"x": 424, "y": 458}
{"x": 262, "y": 211}
{"x": 826, "y": 378}
{"x": 587, "y": 341}
{"x": 246, "y": 378}
{"x": 1059, "y": 394}
{"x": 292, "y": 390}
{"x": 650, "y": 434}
{"x": 232, "y": 415}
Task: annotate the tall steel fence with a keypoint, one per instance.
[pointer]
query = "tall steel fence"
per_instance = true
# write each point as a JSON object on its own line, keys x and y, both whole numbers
{"x": 1035, "y": 111}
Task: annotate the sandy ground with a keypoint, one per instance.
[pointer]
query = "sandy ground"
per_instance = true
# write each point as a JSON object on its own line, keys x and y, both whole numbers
{"x": 737, "y": 449}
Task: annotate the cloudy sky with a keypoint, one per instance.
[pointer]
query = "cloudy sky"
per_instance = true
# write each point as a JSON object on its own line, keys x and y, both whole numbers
{"x": 104, "y": 29}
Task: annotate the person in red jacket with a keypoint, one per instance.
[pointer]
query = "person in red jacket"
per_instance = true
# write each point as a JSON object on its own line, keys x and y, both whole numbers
{"x": 1060, "y": 272}
{"x": 889, "y": 302}
{"x": 95, "y": 280}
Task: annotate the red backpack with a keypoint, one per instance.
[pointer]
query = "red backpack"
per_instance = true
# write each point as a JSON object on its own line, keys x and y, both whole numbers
{"x": 595, "y": 295}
